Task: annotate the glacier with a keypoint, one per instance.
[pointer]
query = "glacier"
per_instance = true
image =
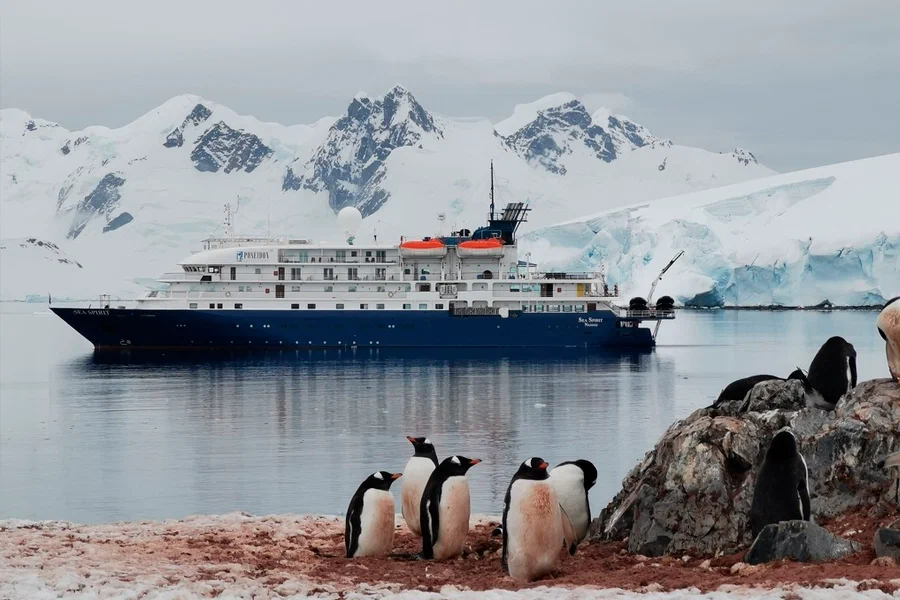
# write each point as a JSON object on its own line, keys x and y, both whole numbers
{"x": 129, "y": 203}
{"x": 829, "y": 234}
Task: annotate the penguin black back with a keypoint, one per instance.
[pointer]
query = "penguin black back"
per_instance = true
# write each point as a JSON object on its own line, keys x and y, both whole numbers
{"x": 782, "y": 489}
{"x": 430, "y": 506}
{"x": 422, "y": 447}
{"x": 535, "y": 469}
{"x": 832, "y": 372}
{"x": 380, "y": 480}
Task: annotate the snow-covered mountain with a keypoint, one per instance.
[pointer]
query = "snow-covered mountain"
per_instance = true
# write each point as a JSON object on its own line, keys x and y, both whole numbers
{"x": 797, "y": 239}
{"x": 128, "y": 203}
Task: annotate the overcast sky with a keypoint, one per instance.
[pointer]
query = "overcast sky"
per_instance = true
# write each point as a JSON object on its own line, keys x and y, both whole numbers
{"x": 799, "y": 82}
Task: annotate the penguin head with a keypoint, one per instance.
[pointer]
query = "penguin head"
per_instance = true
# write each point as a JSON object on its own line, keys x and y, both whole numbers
{"x": 589, "y": 470}
{"x": 381, "y": 480}
{"x": 458, "y": 465}
{"x": 783, "y": 445}
{"x": 421, "y": 445}
{"x": 889, "y": 330}
{"x": 533, "y": 468}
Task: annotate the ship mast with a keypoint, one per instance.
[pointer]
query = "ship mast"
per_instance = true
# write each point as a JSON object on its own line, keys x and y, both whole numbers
{"x": 492, "y": 190}
{"x": 227, "y": 225}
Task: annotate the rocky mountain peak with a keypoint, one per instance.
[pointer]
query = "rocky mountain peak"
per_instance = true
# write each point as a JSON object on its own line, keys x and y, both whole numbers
{"x": 566, "y": 127}
{"x": 221, "y": 147}
{"x": 198, "y": 115}
{"x": 349, "y": 165}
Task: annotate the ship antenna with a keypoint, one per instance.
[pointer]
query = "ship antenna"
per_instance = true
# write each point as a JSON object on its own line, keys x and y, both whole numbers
{"x": 229, "y": 232}
{"x": 492, "y": 190}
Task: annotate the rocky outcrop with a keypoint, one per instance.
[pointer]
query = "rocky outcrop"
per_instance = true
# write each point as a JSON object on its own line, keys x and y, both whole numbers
{"x": 103, "y": 200}
{"x": 175, "y": 139}
{"x": 798, "y": 540}
{"x": 887, "y": 543}
{"x": 118, "y": 221}
{"x": 692, "y": 492}
{"x": 222, "y": 147}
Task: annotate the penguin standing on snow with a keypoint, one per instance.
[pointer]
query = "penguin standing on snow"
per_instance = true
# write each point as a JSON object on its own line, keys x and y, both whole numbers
{"x": 572, "y": 480}
{"x": 832, "y": 373}
{"x": 782, "y": 488}
{"x": 535, "y": 527}
{"x": 889, "y": 330}
{"x": 369, "y": 527}
{"x": 445, "y": 509}
{"x": 415, "y": 476}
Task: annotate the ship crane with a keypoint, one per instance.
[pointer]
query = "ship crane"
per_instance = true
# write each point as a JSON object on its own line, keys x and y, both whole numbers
{"x": 661, "y": 273}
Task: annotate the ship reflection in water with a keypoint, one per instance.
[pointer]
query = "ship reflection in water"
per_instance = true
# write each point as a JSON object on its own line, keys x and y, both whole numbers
{"x": 97, "y": 438}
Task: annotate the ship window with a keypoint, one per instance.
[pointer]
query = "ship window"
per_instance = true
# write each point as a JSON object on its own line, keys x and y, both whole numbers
{"x": 406, "y": 271}
{"x": 353, "y": 253}
{"x": 439, "y": 306}
{"x": 339, "y": 306}
{"x": 368, "y": 254}
{"x": 340, "y": 255}
{"x": 423, "y": 307}
{"x": 329, "y": 288}
{"x": 579, "y": 308}
{"x": 295, "y": 288}
{"x": 553, "y": 308}
{"x": 380, "y": 288}
{"x": 238, "y": 306}
{"x": 424, "y": 287}
{"x": 309, "y": 306}
{"x": 257, "y": 271}
{"x": 379, "y": 306}
{"x": 219, "y": 305}
{"x": 567, "y": 308}
{"x": 215, "y": 269}
{"x": 212, "y": 305}
{"x": 352, "y": 288}
{"x": 363, "y": 306}
{"x": 192, "y": 305}
{"x": 407, "y": 306}
{"x": 295, "y": 306}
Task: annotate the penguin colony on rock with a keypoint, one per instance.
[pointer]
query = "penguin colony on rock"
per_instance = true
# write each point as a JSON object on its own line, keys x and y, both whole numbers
{"x": 547, "y": 510}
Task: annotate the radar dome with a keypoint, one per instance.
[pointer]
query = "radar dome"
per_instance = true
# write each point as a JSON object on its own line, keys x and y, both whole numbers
{"x": 349, "y": 219}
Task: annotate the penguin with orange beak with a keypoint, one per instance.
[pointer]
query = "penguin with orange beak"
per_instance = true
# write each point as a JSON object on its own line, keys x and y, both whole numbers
{"x": 369, "y": 526}
{"x": 535, "y": 526}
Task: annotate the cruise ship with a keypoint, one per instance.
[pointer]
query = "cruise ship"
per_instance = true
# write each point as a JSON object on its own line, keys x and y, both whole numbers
{"x": 468, "y": 289}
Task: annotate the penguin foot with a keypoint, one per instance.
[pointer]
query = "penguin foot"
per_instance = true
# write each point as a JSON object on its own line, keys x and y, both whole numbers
{"x": 410, "y": 556}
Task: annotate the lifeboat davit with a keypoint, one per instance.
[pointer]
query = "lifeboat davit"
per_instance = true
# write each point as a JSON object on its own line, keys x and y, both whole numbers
{"x": 488, "y": 247}
{"x": 423, "y": 248}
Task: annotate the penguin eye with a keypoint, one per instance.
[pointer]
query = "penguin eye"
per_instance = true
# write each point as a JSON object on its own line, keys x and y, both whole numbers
{"x": 881, "y": 333}
{"x": 378, "y": 475}
{"x": 455, "y": 460}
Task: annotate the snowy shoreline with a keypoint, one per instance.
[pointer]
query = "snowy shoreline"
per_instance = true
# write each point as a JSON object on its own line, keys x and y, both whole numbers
{"x": 290, "y": 556}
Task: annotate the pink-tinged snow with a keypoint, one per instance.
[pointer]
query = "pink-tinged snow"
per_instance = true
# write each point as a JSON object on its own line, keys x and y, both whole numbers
{"x": 239, "y": 556}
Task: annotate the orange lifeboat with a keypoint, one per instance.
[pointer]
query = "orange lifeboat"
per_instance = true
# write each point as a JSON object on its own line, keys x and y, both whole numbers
{"x": 488, "y": 247}
{"x": 423, "y": 248}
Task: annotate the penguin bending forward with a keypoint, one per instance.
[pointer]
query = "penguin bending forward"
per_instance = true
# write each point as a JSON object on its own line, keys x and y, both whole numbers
{"x": 369, "y": 526}
{"x": 415, "y": 475}
{"x": 445, "y": 509}
{"x": 572, "y": 480}
{"x": 889, "y": 330}
{"x": 737, "y": 390}
{"x": 535, "y": 526}
{"x": 832, "y": 373}
{"x": 782, "y": 488}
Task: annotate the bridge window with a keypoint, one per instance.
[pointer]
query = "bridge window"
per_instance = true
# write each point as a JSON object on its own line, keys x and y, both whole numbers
{"x": 379, "y": 306}
{"x": 423, "y": 307}
{"x": 407, "y": 306}
{"x": 192, "y": 305}
{"x": 339, "y": 306}
{"x": 309, "y": 306}
{"x": 238, "y": 306}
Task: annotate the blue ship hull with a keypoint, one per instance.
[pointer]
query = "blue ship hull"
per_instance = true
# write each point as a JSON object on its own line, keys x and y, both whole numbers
{"x": 121, "y": 329}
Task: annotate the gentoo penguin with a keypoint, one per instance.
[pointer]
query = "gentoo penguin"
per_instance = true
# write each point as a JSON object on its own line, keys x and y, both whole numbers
{"x": 782, "y": 489}
{"x": 737, "y": 390}
{"x": 832, "y": 373}
{"x": 445, "y": 509}
{"x": 535, "y": 526}
{"x": 889, "y": 330}
{"x": 572, "y": 480}
{"x": 369, "y": 527}
{"x": 415, "y": 476}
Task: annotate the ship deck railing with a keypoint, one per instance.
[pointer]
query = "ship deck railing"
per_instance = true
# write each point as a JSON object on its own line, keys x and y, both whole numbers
{"x": 649, "y": 313}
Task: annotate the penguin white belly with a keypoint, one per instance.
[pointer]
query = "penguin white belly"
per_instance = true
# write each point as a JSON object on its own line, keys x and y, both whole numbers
{"x": 534, "y": 530}
{"x": 455, "y": 510}
{"x": 568, "y": 483}
{"x": 415, "y": 476}
{"x": 376, "y": 535}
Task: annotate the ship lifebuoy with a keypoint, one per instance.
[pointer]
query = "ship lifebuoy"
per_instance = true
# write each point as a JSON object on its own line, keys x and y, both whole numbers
{"x": 228, "y": 294}
{"x": 390, "y": 294}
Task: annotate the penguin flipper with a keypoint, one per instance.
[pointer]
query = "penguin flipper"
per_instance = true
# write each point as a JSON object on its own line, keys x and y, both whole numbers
{"x": 569, "y": 537}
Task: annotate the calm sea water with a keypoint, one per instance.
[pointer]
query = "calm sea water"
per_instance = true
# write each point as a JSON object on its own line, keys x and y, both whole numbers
{"x": 94, "y": 439}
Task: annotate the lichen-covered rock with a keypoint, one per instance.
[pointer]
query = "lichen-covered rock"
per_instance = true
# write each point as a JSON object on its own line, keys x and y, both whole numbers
{"x": 692, "y": 492}
{"x": 798, "y": 540}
